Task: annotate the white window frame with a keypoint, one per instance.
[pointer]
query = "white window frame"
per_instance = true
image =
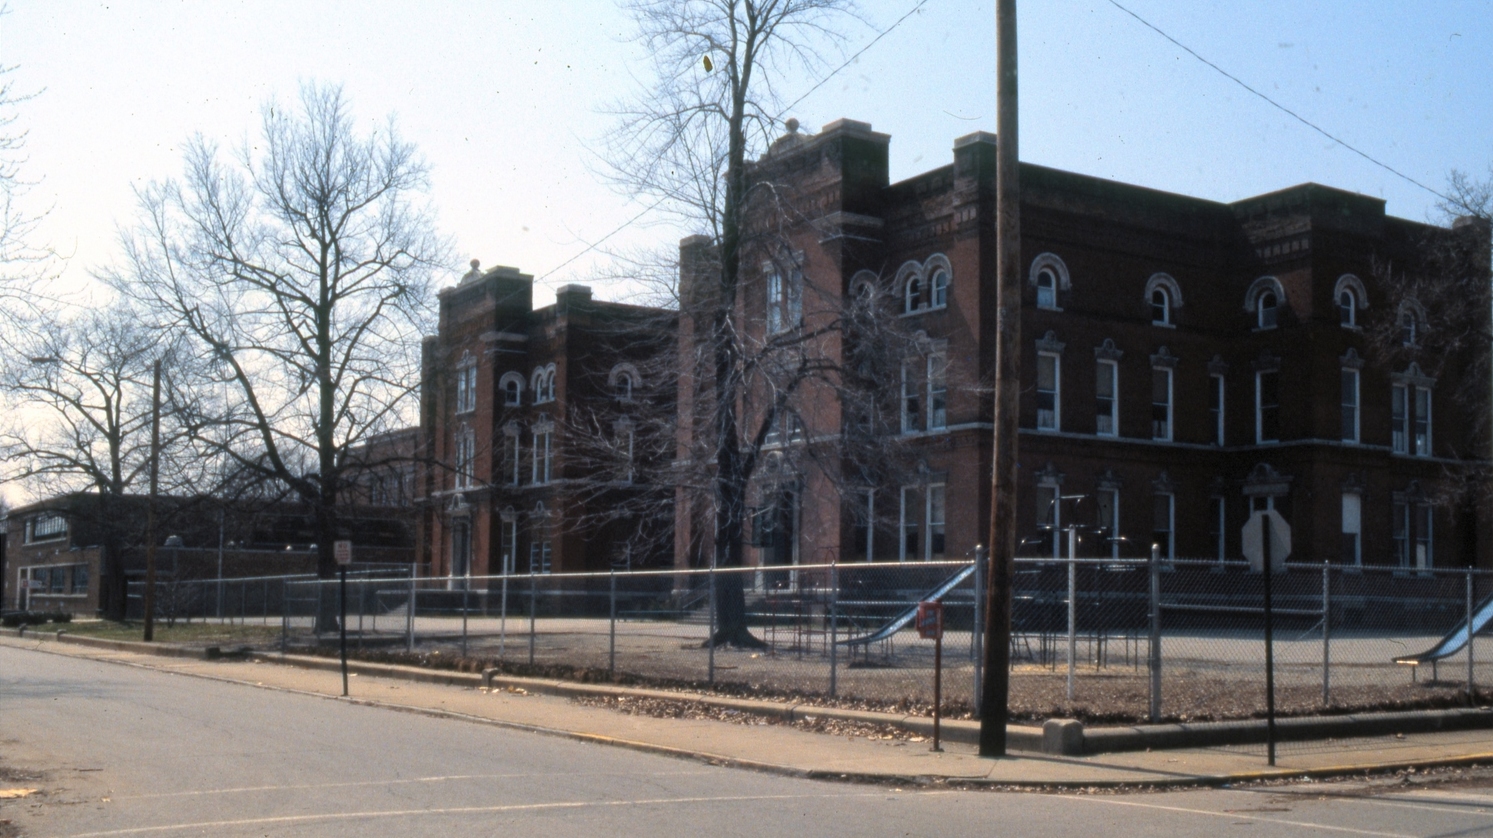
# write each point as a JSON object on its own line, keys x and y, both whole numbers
{"x": 1054, "y": 523}
{"x": 938, "y": 392}
{"x": 938, "y": 291}
{"x": 543, "y": 455}
{"x": 1420, "y": 422}
{"x": 1169, "y": 549}
{"x": 1347, "y": 314}
{"x": 1267, "y": 318}
{"x": 1113, "y": 373}
{"x": 1166, "y": 307}
{"x": 1400, "y": 411}
{"x": 908, "y": 406}
{"x": 908, "y": 525}
{"x": 1352, "y": 402}
{"x": 466, "y": 385}
{"x": 1111, "y": 526}
{"x": 1057, "y": 391}
{"x": 1260, "y": 438}
{"x": 466, "y": 457}
{"x": 1168, "y": 430}
{"x": 1352, "y": 525}
{"x": 1217, "y": 396}
{"x": 935, "y": 513}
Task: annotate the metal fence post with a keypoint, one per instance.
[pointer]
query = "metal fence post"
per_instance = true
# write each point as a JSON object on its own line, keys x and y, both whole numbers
{"x": 834, "y": 626}
{"x": 267, "y": 602}
{"x": 976, "y": 642}
{"x": 1072, "y": 606}
{"x": 710, "y": 641}
{"x": 409, "y": 616}
{"x": 466, "y": 590}
{"x": 612, "y": 627}
{"x": 533, "y": 611}
{"x": 1154, "y": 659}
{"x": 1471, "y": 688}
{"x": 284, "y": 614}
{"x": 503, "y": 618}
{"x": 1326, "y": 634}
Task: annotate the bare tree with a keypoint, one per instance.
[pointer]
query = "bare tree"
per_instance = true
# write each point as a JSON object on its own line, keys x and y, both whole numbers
{"x": 1440, "y": 293}
{"x": 24, "y": 264}
{"x": 79, "y": 401}
{"x": 754, "y": 392}
{"x": 300, "y": 270}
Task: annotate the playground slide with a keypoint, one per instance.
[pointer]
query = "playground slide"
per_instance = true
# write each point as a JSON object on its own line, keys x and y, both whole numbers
{"x": 1453, "y": 642}
{"x": 900, "y": 621}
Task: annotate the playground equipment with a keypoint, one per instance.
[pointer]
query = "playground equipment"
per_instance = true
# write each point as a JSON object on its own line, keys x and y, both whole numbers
{"x": 901, "y": 620}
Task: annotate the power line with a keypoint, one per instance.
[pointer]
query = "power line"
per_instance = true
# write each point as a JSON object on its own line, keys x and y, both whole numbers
{"x": 851, "y": 59}
{"x": 1296, "y": 116}
{"x": 651, "y": 207}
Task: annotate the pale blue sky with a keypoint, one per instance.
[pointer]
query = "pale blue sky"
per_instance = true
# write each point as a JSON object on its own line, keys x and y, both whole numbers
{"x": 504, "y": 98}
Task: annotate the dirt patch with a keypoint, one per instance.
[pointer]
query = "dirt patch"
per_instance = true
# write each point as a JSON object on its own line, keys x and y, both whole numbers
{"x": 699, "y": 710}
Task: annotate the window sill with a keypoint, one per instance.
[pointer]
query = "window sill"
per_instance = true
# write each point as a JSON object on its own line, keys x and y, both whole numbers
{"x": 924, "y": 310}
{"x": 1259, "y": 329}
{"x": 1163, "y": 324}
{"x": 1041, "y": 307}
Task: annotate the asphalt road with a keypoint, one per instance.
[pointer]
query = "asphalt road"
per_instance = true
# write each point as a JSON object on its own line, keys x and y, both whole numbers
{"x": 124, "y": 751}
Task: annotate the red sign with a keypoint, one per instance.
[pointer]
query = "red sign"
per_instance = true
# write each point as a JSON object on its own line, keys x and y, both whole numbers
{"x": 929, "y": 621}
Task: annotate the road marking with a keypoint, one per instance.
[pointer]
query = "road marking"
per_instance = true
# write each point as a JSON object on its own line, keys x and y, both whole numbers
{"x": 1449, "y": 807}
{"x": 453, "y": 777}
{"x": 1235, "y": 816}
{"x": 470, "y": 810}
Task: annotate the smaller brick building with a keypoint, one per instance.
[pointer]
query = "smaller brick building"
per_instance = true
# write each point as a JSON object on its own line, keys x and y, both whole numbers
{"x": 515, "y": 403}
{"x": 55, "y": 550}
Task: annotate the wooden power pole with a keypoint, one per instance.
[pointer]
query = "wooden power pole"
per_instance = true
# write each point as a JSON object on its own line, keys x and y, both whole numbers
{"x": 995, "y": 690}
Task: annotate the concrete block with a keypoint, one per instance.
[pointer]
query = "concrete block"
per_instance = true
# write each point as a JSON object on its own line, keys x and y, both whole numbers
{"x": 1063, "y": 737}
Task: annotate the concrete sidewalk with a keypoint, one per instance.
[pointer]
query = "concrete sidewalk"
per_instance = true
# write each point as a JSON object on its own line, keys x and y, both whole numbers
{"x": 782, "y": 748}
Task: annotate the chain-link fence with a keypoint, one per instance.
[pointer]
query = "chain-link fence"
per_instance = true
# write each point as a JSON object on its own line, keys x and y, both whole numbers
{"x": 1101, "y": 640}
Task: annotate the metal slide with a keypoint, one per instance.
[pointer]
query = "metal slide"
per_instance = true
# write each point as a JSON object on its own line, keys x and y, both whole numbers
{"x": 901, "y": 620}
{"x": 1453, "y": 642}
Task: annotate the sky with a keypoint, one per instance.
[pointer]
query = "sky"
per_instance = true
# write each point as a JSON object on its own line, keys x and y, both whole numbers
{"x": 506, "y": 100}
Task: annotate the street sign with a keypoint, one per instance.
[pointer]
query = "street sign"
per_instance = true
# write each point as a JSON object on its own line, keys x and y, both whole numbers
{"x": 343, "y": 551}
{"x": 1254, "y": 540}
{"x": 929, "y": 620}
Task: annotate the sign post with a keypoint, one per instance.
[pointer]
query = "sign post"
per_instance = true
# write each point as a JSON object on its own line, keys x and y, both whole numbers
{"x": 930, "y": 627}
{"x": 1267, "y": 543}
{"x": 343, "y": 552}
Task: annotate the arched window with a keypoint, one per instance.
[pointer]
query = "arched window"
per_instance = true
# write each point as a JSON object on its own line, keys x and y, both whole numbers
{"x": 863, "y": 288}
{"x": 1161, "y": 307}
{"x": 544, "y": 384}
{"x": 913, "y": 294}
{"x": 1264, "y": 300}
{"x": 1408, "y": 328}
{"x": 938, "y": 289}
{"x": 939, "y": 274}
{"x": 1047, "y": 289}
{"x": 623, "y": 380}
{"x": 1049, "y": 276}
{"x": 1164, "y": 296}
{"x": 1350, "y": 297}
{"x": 512, "y": 385}
{"x": 1266, "y": 311}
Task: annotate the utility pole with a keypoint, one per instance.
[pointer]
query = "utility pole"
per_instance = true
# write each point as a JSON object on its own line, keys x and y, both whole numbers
{"x": 150, "y": 503}
{"x": 995, "y": 691}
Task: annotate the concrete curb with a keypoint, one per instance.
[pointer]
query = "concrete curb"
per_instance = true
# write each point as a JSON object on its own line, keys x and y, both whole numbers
{"x": 1057, "y": 737}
